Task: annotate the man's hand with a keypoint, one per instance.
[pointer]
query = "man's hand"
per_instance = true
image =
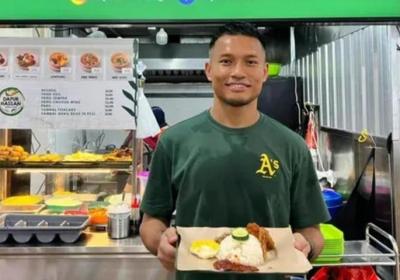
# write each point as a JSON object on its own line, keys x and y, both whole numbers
{"x": 309, "y": 241}
{"x": 301, "y": 244}
{"x": 166, "y": 252}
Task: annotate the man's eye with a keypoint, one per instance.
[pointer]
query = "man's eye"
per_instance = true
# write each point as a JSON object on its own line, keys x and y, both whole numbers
{"x": 252, "y": 62}
{"x": 225, "y": 61}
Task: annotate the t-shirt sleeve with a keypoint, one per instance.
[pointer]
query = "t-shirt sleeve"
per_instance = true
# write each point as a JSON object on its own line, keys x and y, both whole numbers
{"x": 158, "y": 200}
{"x": 307, "y": 205}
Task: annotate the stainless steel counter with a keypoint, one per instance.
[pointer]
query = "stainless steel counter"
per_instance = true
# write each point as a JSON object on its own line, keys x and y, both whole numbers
{"x": 94, "y": 256}
{"x": 89, "y": 243}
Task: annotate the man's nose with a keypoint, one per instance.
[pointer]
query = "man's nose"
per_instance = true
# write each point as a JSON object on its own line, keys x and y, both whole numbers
{"x": 238, "y": 71}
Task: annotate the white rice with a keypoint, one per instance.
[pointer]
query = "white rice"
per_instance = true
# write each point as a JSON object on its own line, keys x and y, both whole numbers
{"x": 247, "y": 252}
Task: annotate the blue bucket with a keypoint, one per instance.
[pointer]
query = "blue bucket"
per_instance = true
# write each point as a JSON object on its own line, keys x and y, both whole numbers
{"x": 333, "y": 200}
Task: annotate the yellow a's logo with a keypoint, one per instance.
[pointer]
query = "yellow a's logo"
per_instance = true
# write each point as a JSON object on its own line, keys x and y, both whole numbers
{"x": 268, "y": 167}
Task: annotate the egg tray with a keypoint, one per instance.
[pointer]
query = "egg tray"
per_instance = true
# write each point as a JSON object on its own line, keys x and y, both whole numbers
{"x": 45, "y": 227}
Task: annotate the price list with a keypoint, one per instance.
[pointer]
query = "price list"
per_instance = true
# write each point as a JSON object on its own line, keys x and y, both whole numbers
{"x": 109, "y": 102}
{"x": 53, "y": 103}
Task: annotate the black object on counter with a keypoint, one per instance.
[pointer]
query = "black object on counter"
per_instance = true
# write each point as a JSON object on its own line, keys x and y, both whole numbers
{"x": 359, "y": 210}
{"x": 282, "y": 99}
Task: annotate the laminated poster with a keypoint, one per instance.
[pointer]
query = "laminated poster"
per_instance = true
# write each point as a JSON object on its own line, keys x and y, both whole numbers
{"x": 67, "y": 83}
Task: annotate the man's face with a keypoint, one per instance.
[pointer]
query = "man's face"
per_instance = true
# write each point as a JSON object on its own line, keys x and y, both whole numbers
{"x": 237, "y": 69}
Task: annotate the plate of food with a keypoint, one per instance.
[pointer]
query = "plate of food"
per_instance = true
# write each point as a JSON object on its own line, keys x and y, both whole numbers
{"x": 250, "y": 249}
{"x": 57, "y": 60}
{"x": 3, "y": 60}
{"x": 27, "y": 59}
{"x": 89, "y": 61}
{"x": 119, "y": 61}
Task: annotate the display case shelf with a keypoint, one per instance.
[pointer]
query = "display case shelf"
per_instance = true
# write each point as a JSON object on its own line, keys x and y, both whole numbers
{"x": 122, "y": 165}
{"x": 379, "y": 249}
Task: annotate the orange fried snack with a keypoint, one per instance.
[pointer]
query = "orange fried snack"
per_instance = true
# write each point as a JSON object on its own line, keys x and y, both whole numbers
{"x": 267, "y": 244}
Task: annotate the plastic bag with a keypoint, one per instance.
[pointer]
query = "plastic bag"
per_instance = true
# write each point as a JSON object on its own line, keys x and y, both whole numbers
{"x": 346, "y": 273}
{"x": 147, "y": 125}
{"x": 359, "y": 210}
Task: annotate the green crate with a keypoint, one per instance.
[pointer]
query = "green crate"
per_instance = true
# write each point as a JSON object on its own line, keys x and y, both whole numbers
{"x": 334, "y": 244}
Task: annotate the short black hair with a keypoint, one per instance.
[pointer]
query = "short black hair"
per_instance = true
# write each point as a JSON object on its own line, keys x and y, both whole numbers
{"x": 238, "y": 28}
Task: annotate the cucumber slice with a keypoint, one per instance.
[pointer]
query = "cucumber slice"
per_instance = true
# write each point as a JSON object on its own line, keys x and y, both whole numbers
{"x": 240, "y": 234}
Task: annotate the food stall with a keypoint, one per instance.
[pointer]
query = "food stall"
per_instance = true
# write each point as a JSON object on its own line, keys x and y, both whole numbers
{"x": 101, "y": 93}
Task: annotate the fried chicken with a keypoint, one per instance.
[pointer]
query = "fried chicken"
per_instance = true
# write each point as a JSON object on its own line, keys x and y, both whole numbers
{"x": 267, "y": 244}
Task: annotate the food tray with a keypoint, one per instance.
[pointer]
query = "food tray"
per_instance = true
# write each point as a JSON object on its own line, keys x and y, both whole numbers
{"x": 65, "y": 164}
{"x": 37, "y": 163}
{"x": 286, "y": 259}
{"x": 20, "y": 200}
{"x": 5, "y": 163}
{"x": 45, "y": 227}
{"x": 26, "y": 209}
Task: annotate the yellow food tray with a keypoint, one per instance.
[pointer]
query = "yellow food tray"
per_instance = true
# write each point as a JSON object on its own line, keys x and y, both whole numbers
{"x": 22, "y": 200}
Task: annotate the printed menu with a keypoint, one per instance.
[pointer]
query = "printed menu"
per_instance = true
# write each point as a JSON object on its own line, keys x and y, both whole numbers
{"x": 67, "y": 83}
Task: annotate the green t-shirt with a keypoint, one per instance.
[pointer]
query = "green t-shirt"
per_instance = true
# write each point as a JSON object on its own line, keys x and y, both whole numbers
{"x": 218, "y": 176}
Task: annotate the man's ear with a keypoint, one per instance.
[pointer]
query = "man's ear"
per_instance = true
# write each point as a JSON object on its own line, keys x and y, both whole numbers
{"x": 266, "y": 72}
{"x": 208, "y": 71}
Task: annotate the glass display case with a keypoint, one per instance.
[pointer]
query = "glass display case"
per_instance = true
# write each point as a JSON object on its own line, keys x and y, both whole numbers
{"x": 45, "y": 172}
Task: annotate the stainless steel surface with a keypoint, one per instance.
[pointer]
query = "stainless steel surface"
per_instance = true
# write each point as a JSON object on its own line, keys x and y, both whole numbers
{"x": 184, "y": 88}
{"x": 395, "y": 166}
{"x": 354, "y": 80}
{"x": 175, "y": 63}
{"x": 341, "y": 152}
{"x": 101, "y": 268}
{"x": 392, "y": 71}
{"x": 338, "y": 154}
{"x": 393, "y": 65}
{"x": 90, "y": 243}
{"x": 95, "y": 256}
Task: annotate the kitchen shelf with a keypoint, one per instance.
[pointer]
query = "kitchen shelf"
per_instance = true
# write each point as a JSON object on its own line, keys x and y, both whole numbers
{"x": 379, "y": 249}
{"x": 123, "y": 165}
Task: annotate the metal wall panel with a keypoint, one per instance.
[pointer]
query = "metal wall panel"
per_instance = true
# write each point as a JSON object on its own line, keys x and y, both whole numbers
{"x": 333, "y": 100}
{"x": 350, "y": 79}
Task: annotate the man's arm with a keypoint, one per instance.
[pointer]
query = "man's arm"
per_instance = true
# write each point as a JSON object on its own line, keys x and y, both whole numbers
{"x": 159, "y": 239}
{"x": 309, "y": 240}
{"x": 151, "y": 230}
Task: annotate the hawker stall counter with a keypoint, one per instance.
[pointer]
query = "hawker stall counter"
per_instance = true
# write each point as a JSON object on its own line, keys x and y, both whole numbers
{"x": 93, "y": 256}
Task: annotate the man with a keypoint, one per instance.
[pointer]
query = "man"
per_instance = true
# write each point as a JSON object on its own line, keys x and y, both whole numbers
{"x": 160, "y": 117}
{"x": 232, "y": 165}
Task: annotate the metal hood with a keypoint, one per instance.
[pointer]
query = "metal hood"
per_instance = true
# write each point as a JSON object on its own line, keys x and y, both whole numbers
{"x": 174, "y": 63}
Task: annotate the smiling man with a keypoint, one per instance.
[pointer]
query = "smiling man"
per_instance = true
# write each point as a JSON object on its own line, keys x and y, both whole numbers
{"x": 232, "y": 165}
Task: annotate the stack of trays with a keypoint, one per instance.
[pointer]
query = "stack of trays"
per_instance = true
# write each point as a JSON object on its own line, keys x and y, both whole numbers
{"x": 334, "y": 245}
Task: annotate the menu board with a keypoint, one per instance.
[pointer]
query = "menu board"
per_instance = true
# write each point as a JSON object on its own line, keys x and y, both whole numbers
{"x": 67, "y": 83}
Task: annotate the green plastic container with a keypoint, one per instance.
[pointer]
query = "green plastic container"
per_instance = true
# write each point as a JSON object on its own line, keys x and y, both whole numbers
{"x": 274, "y": 69}
{"x": 60, "y": 204}
{"x": 61, "y": 209}
{"x": 98, "y": 204}
{"x": 334, "y": 244}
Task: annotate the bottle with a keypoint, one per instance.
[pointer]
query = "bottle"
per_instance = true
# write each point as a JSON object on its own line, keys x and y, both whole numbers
{"x": 135, "y": 215}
